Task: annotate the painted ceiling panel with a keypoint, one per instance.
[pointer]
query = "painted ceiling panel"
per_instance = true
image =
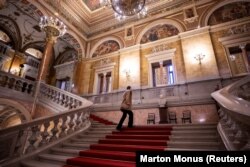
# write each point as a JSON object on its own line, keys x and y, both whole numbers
{"x": 92, "y": 4}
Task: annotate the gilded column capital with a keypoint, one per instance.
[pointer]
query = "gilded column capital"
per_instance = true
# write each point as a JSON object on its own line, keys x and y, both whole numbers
{"x": 242, "y": 46}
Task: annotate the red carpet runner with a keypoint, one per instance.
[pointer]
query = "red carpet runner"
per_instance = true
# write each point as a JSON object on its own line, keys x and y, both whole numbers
{"x": 119, "y": 148}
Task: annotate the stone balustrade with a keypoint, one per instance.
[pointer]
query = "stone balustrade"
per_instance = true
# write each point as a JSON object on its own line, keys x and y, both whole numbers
{"x": 40, "y": 134}
{"x": 234, "y": 113}
{"x": 56, "y": 99}
{"x": 60, "y": 99}
{"x": 190, "y": 91}
{"x": 16, "y": 83}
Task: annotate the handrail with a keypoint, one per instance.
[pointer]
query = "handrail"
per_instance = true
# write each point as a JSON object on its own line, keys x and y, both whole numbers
{"x": 54, "y": 98}
{"x": 33, "y": 136}
{"x": 60, "y": 99}
{"x": 188, "y": 93}
{"x": 234, "y": 115}
{"x": 37, "y": 135}
{"x": 16, "y": 83}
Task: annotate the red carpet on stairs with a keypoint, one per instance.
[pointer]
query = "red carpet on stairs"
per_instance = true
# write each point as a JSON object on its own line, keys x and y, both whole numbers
{"x": 119, "y": 148}
{"x": 98, "y": 119}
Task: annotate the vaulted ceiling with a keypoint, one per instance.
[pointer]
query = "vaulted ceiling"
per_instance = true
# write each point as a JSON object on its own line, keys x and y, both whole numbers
{"x": 90, "y": 18}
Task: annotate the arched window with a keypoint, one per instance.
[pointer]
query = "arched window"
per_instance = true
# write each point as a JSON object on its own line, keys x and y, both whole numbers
{"x": 4, "y": 37}
{"x": 30, "y": 68}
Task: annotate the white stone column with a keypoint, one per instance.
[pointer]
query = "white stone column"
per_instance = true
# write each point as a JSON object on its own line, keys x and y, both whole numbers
{"x": 161, "y": 72}
{"x": 245, "y": 58}
{"x": 104, "y": 82}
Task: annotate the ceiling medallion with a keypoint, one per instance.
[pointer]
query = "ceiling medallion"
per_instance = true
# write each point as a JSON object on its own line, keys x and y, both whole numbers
{"x": 126, "y": 8}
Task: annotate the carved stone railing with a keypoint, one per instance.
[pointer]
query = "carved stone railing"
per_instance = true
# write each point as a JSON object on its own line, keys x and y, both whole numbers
{"x": 56, "y": 99}
{"x": 26, "y": 139}
{"x": 6, "y": 53}
{"x": 234, "y": 113}
{"x": 16, "y": 83}
{"x": 191, "y": 92}
{"x": 59, "y": 99}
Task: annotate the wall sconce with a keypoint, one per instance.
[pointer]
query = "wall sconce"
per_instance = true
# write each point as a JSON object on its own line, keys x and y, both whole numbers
{"x": 232, "y": 57}
{"x": 199, "y": 57}
{"x": 127, "y": 73}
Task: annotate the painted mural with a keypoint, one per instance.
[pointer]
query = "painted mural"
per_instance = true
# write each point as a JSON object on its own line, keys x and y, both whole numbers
{"x": 106, "y": 47}
{"x": 230, "y": 12}
{"x": 159, "y": 32}
{"x": 92, "y": 4}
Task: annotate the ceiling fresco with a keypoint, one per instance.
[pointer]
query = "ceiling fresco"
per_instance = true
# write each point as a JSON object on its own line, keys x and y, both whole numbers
{"x": 92, "y": 4}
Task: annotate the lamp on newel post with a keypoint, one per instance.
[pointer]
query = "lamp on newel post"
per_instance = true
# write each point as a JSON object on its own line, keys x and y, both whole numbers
{"x": 53, "y": 29}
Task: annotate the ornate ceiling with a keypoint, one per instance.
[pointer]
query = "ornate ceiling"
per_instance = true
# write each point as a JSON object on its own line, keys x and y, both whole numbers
{"x": 90, "y": 18}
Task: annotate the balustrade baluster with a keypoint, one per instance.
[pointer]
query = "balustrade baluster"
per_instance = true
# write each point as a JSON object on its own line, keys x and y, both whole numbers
{"x": 50, "y": 94}
{"x": 78, "y": 120}
{"x": 33, "y": 138}
{"x": 62, "y": 99}
{"x": 66, "y": 101}
{"x": 18, "y": 85}
{"x": 71, "y": 103}
{"x": 85, "y": 118}
{"x": 71, "y": 124}
{"x": 55, "y": 130}
{"x": 6, "y": 81}
{"x": 30, "y": 89}
{"x": 64, "y": 127}
{"x": 57, "y": 98}
{"x": 54, "y": 96}
{"x": 45, "y": 134}
{"x": 80, "y": 103}
{"x": 24, "y": 86}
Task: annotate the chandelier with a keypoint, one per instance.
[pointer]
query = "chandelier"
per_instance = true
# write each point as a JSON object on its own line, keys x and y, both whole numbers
{"x": 126, "y": 8}
{"x": 52, "y": 26}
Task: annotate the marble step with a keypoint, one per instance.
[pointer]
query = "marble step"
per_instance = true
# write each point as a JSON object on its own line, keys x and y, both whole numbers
{"x": 192, "y": 149}
{"x": 102, "y": 127}
{"x": 194, "y": 132}
{"x": 193, "y": 138}
{"x": 37, "y": 163}
{"x": 85, "y": 140}
{"x": 54, "y": 159}
{"x": 98, "y": 132}
{"x": 76, "y": 145}
{"x": 65, "y": 151}
{"x": 91, "y": 135}
{"x": 199, "y": 145}
{"x": 194, "y": 128}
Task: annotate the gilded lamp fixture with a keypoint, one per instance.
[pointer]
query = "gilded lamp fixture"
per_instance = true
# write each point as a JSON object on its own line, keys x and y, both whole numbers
{"x": 126, "y": 8}
{"x": 52, "y": 26}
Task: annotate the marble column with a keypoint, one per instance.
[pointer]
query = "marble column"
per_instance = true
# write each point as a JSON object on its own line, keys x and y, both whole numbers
{"x": 161, "y": 72}
{"x": 53, "y": 28}
{"x": 47, "y": 58}
{"x": 245, "y": 58}
{"x": 104, "y": 83}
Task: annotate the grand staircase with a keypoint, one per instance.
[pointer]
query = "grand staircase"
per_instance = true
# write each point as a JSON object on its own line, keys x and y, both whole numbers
{"x": 102, "y": 145}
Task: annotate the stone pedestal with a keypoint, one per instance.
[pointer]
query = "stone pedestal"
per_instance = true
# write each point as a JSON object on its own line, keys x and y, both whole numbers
{"x": 163, "y": 112}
